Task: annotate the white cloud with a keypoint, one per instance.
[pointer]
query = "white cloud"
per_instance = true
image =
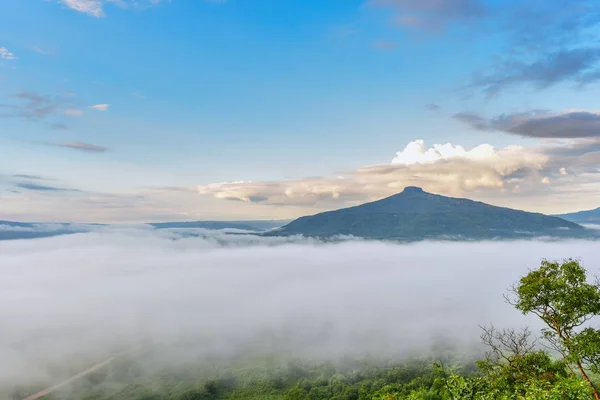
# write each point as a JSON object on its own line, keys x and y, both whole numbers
{"x": 89, "y": 7}
{"x": 95, "y": 8}
{"x": 442, "y": 168}
{"x": 417, "y": 153}
{"x": 100, "y": 107}
{"x": 6, "y": 55}
{"x": 220, "y": 295}
{"x": 73, "y": 112}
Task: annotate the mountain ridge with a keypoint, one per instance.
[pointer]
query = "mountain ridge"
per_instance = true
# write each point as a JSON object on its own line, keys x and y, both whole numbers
{"x": 584, "y": 216}
{"x": 13, "y": 230}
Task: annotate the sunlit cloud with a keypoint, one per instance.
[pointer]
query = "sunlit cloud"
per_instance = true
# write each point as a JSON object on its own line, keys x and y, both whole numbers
{"x": 554, "y": 178}
{"x": 486, "y": 172}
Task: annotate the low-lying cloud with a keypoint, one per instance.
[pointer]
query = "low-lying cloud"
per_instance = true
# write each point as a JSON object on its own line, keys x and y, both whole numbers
{"x": 82, "y": 296}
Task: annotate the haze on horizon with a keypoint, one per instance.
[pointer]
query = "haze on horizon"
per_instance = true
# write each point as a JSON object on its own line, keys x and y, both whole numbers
{"x": 148, "y": 110}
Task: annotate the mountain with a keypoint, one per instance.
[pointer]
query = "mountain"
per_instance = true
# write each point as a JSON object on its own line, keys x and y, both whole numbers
{"x": 416, "y": 215}
{"x": 583, "y": 217}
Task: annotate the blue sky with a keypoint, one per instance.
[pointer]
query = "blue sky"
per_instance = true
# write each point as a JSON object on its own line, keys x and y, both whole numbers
{"x": 173, "y": 109}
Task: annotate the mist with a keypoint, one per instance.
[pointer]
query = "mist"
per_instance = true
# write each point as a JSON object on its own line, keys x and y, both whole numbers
{"x": 86, "y": 295}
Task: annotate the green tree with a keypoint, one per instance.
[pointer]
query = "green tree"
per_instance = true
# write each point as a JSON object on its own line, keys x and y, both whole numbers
{"x": 513, "y": 361}
{"x": 561, "y": 296}
{"x": 296, "y": 393}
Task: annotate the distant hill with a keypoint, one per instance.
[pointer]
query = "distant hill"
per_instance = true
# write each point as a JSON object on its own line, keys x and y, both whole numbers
{"x": 416, "y": 215}
{"x": 203, "y": 225}
{"x": 10, "y": 230}
{"x": 583, "y": 217}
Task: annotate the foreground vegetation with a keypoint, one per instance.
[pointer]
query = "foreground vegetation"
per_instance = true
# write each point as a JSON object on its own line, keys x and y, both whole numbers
{"x": 562, "y": 364}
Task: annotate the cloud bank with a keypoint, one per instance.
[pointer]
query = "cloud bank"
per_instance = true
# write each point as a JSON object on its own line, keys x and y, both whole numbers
{"x": 492, "y": 174}
{"x": 557, "y": 177}
{"x": 82, "y": 296}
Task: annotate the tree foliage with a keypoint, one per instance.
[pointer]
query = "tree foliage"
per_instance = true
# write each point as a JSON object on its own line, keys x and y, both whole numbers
{"x": 561, "y": 296}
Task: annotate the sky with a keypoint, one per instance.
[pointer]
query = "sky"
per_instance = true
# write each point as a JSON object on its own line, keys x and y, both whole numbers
{"x": 149, "y": 110}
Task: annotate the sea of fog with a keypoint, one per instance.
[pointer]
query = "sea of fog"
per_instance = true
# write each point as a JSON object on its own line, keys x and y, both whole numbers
{"x": 86, "y": 295}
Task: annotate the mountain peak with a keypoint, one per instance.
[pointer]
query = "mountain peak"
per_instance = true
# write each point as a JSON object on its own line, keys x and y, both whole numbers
{"x": 412, "y": 189}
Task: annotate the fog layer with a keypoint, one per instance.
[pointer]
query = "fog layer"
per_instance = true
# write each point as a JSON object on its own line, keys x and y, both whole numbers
{"x": 87, "y": 295}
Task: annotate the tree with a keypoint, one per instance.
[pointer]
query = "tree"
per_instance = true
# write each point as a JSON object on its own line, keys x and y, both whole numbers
{"x": 560, "y": 295}
{"x": 296, "y": 393}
